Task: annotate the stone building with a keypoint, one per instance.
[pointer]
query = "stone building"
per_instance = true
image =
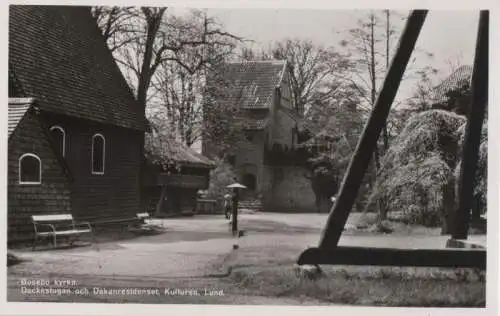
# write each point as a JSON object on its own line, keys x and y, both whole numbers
{"x": 267, "y": 160}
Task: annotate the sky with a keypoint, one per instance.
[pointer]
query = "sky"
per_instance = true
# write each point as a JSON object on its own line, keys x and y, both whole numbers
{"x": 449, "y": 35}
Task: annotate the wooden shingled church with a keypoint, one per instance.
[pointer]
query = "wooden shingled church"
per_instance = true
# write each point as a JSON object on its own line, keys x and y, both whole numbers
{"x": 74, "y": 129}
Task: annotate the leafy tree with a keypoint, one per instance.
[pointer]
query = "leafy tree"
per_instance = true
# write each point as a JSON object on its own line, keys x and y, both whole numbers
{"x": 329, "y": 105}
{"x": 439, "y": 109}
{"x": 416, "y": 174}
{"x": 339, "y": 126}
{"x": 223, "y": 121}
{"x": 220, "y": 177}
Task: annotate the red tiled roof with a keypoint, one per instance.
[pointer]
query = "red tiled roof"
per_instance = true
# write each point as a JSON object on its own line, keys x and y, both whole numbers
{"x": 59, "y": 57}
{"x": 17, "y": 109}
{"x": 251, "y": 84}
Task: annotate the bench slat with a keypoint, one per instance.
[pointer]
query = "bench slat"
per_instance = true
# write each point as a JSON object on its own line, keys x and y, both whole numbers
{"x": 64, "y": 232}
{"x": 73, "y": 232}
{"x": 51, "y": 218}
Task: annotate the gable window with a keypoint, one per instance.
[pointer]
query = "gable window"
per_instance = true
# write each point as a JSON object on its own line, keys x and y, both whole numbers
{"x": 59, "y": 138}
{"x": 249, "y": 136}
{"x": 30, "y": 169}
{"x": 231, "y": 159}
{"x": 98, "y": 154}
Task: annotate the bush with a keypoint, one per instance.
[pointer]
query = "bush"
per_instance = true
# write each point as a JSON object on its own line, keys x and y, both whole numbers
{"x": 220, "y": 177}
{"x": 417, "y": 172}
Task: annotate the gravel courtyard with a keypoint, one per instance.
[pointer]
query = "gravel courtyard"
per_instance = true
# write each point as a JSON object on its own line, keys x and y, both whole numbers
{"x": 192, "y": 261}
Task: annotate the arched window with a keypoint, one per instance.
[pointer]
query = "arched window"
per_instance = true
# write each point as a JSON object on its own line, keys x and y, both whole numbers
{"x": 98, "y": 154}
{"x": 59, "y": 137}
{"x": 30, "y": 169}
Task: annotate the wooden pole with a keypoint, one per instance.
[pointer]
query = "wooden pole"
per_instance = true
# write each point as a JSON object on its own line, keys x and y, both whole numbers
{"x": 470, "y": 152}
{"x": 368, "y": 140}
{"x": 235, "y": 212}
{"x": 161, "y": 201}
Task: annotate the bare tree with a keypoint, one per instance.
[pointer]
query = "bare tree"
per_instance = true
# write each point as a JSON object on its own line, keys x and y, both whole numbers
{"x": 143, "y": 39}
{"x": 315, "y": 70}
{"x": 370, "y": 45}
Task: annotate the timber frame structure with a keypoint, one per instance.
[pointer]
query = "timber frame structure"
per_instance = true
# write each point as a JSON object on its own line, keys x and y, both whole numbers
{"x": 328, "y": 251}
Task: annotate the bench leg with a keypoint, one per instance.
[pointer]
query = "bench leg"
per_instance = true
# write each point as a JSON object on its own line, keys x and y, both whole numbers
{"x": 55, "y": 241}
{"x": 34, "y": 243}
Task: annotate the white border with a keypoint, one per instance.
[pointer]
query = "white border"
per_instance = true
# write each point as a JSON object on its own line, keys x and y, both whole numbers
{"x": 135, "y": 309}
{"x": 39, "y": 169}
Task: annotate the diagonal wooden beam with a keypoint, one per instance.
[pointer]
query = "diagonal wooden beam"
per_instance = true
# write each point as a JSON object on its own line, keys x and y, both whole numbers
{"x": 475, "y": 118}
{"x": 368, "y": 141}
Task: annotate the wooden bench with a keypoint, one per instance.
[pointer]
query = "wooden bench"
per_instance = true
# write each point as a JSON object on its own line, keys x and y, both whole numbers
{"x": 53, "y": 226}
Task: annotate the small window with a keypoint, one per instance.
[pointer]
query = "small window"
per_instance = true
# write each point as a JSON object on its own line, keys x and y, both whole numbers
{"x": 279, "y": 174}
{"x": 249, "y": 137}
{"x": 231, "y": 159}
{"x": 30, "y": 169}
{"x": 59, "y": 138}
{"x": 98, "y": 154}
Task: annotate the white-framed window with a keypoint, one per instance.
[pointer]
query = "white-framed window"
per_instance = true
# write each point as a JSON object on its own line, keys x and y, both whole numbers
{"x": 30, "y": 169}
{"x": 59, "y": 136}
{"x": 98, "y": 153}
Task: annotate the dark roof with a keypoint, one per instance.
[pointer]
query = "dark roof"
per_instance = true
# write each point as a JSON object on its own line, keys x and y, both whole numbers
{"x": 459, "y": 77}
{"x": 17, "y": 109}
{"x": 59, "y": 57}
{"x": 165, "y": 150}
{"x": 251, "y": 84}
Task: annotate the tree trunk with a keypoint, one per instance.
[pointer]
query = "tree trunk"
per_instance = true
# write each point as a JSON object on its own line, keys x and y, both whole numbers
{"x": 373, "y": 79}
{"x": 385, "y": 134}
{"x": 449, "y": 206}
{"x": 324, "y": 204}
{"x": 161, "y": 201}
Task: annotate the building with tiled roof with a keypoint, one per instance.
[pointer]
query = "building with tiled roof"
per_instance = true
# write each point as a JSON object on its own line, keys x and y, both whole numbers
{"x": 461, "y": 76}
{"x": 261, "y": 91}
{"x": 454, "y": 92}
{"x": 74, "y": 126}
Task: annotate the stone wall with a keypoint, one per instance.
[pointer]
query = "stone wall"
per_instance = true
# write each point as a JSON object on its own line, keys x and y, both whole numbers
{"x": 290, "y": 191}
{"x": 250, "y": 157}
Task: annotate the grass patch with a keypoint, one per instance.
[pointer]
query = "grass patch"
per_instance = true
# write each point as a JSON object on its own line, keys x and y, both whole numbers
{"x": 371, "y": 286}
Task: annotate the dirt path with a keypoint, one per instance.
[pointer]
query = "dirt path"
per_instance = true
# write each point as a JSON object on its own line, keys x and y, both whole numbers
{"x": 191, "y": 259}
